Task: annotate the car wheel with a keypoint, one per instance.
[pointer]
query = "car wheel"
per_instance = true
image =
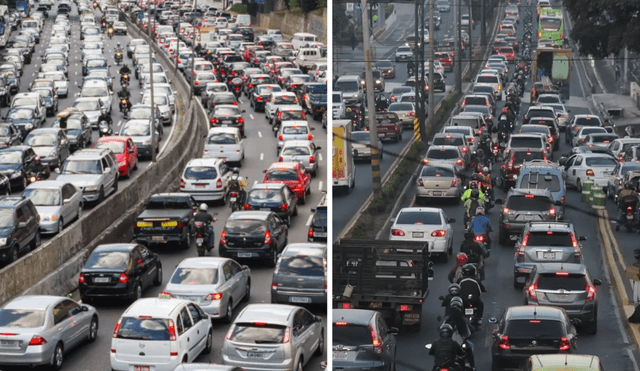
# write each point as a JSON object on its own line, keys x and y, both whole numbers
{"x": 320, "y": 348}
{"x": 247, "y": 291}
{"x": 228, "y": 318}
{"x": 609, "y": 192}
{"x": 295, "y": 211}
{"x": 37, "y": 241}
{"x": 592, "y": 326}
{"x": 299, "y": 364}
{"x": 79, "y": 215}
{"x": 93, "y": 330}
{"x": 158, "y": 280}
{"x": 288, "y": 220}
{"x": 187, "y": 243}
{"x": 15, "y": 254}
{"x": 137, "y": 292}
{"x": 101, "y": 195}
{"x": 24, "y": 182}
{"x": 273, "y": 259}
{"x": 60, "y": 225}
{"x": 207, "y": 348}
{"x": 58, "y": 357}
{"x": 579, "y": 185}
{"x": 115, "y": 185}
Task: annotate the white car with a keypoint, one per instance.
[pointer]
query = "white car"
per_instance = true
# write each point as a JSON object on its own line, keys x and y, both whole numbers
{"x": 166, "y": 89}
{"x": 225, "y": 143}
{"x": 279, "y": 99}
{"x": 59, "y": 81}
{"x": 161, "y": 101}
{"x": 584, "y": 131}
{"x": 205, "y": 179}
{"x": 403, "y": 53}
{"x": 293, "y": 130}
{"x": 583, "y": 166}
{"x": 97, "y": 89}
{"x": 169, "y": 330}
{"x": 424, "y": 224}
{"x": 302, "y": 151}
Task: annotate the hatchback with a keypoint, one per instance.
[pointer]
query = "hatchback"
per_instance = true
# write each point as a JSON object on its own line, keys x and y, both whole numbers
{"x": 599, "y": 139}
{"x": 318, "y": 226}
{"x": 51, "y": 144}
{"x": 568, "y": 286}
{"x": 293, "y": 174}
{"x": 303, "y": 151}
{"x": 425, "y": 224}
{"x": 300, "y": 276}
{"x": 124, "y": 149}
{"x": 578, "y": 121}
{"x": 273, "y": 197}
{"x": 205, "y": 179}
{"x": 450, "y": 155}
{"x": 226, "y": 143}
{"x": 581, "y": 133}
{"x": 523, "y": 205}
{"x": 227, "y": 115}
{"x": 595, "y": 166}
{"x": 273, "y": 337}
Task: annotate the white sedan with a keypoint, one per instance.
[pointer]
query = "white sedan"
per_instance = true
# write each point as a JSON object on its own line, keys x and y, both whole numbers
{"x": 583, "y": 166}
{"x": 424, "y": 224}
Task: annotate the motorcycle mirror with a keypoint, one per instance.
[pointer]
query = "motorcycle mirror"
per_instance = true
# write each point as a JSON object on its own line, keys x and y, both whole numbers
{"x": 441, "y": 297}
{"x": 493, "y": 320}
{"x": 428, "y": 346}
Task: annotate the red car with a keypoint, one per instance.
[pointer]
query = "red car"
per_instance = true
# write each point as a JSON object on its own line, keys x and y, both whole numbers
{"x": 508, "y": 52}
{"x": 293, "y": 174}
{"x": 125, "y": 150}
{"x": 446, "y": 59}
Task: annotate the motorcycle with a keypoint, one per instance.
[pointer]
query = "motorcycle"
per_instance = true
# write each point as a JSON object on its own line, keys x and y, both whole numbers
{"x": 104, "y": 26}
{"x": 483, "y": 239}
{"x": 203, "y": 239}
{"x": 118, "y": 57}
{"x": 110, "y": 32}
{"x": 124, "y": 79}
{"x": 37, "y": 176}
{"x": 105, "y": 129}
{"x": 461, "y": 362}
{"x": 629, "y": 206}
{"x": 124, "y": 107}
{"x": 235, "y": 197}
{"x": 236, "y": 86}
{"x": 95, "y": 4}
{"x": 470, "y": 314}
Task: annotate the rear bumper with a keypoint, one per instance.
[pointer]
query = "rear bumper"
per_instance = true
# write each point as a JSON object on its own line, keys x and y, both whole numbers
{"x": 294, "y": 297}
{"x": 440, "y": 193}
{"x": 34, "y": 355}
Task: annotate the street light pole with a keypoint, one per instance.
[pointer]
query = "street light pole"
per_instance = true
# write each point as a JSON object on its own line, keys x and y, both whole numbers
{"x": 153, "y": 112}
{"x": 193, "y": 56}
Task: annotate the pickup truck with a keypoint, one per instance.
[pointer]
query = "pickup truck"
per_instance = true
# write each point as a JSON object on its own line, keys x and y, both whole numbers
{"x": 389, "y": 126}
{"x": 314, "y": 98}
{"x": 167, "y": 218}
{"x": 391, "y": 277}
{"x": 307, "y": 57}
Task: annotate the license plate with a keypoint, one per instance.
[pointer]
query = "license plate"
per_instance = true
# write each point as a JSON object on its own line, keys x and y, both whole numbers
{"x": 141, "y": 368}
{"x": 255, "y": 355}
{"x": 297, "y": 299}
{"x": 340, "y": 355}
{"x": 9, "y": 343}
{"x": 319, "y": 234}
{"x": 629, "y": 216}
{"x": 437, "y": 193}
{"x": 245, "y": 255}
{"x": 157, "y": 238}
{"x": 144, "y": 224}
{"x": 199, "y": 240}
{"x": 101, "y": 279}
{"x": 265, "y": 209}
{"x": 227, "y": 122}
{"x": 200, "y": 185}
{"x": 549, "y": 255}
{"x": 528, "y": 217}
{"x": 375, "y": 304}
{"x": 232, "y": 199}
{"x": 468, "y": 311}
{"x": 172, "y": 223}
{"x": 417, "y": 234}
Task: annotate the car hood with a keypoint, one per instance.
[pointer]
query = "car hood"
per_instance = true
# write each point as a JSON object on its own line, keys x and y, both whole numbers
{"x": 8, "y": 169}
{"x": 48, "y": 210}
{"x": 80, "y": 180}
{"x": 5, "y": 232}
{"x": 43, "y": 151}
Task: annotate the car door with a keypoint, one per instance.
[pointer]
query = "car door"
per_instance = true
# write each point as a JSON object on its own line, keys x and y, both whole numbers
{"x": 201, "y": 325}
{"x": 62, "y": 323}
{"x": 29, "y": 163}
{"x": 305, "y": 333}
{"x": 64, "y": 147}
{"x": 238, "y": 280}
{"x": 140, "y": 270}
{"x": 280, "y": 230}
{"x": 292, "y": 199}
{"x": 22, "y": 230}
{"x": 132, "y": 153}
{"x": 71, "y": 199}
{"x": 150, "y": 261}
{"x": 79, "y": 325}
{"x": 568, "y": 170}
{"x": 190, "y": 336}
{"x": 388, "y": 338}
{"x": 108, "y": 179}
{"x": 304, "y": 177}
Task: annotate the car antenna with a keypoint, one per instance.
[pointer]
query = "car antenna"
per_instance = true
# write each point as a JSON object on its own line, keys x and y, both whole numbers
{"x": 566, "y": 359}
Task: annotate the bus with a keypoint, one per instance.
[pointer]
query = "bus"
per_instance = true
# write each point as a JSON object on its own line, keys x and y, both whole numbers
{"x": 551, "y": 25}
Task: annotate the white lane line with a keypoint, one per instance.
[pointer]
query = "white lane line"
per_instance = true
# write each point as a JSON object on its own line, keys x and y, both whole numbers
{"x": 241, "y": 102}
{"x": 259, "y": 134}
{"x": 173, "y": 126}
{"x": 309, "y": 220}
{"x": 119, "y": 123}
{"x": 261, "y": 156}
{"x": 250, "y": 115}
{"x": 255, "y": 182}
{"x": 320, "y": 186}
{"x": 319, "y": 156}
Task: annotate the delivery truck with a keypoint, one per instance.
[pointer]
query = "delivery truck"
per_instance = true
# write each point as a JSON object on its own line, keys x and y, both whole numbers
{"x": 343, "y": 166}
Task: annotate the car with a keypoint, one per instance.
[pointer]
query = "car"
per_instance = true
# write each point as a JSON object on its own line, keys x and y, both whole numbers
{"x": 447, "y": 154}
{"x": 119, "y": 28}
{"x": 292, "y": 112}
{"x": 161, "y": 102}
{"x": 160, "y": 325}
{"x": 443, "y": 5}
{"x": 530, "y": 141}
{"x": 406, "y": 112}
{"x": 620, "y": 146}
{"x": 510, "y": 169}
{"x": 261, "y": 93}
{"x": 17, "y": 163}
{"x": 568, "y": 286}
{"x": 275, "y": 197}
{"x": 361, "y": 145}
{"x": 599, "y": 139}
{"x": 387, "y": 68}
{"x": 523, "y": 331}
{"x": 544, "y": 174}
{"x": 491, "y": 80}
{"x": 119, "y": 270}
{"x": 44, "y": 322}
{"x": 279, "y": 336}
{"x": 438, "y": 181}
{"x": 22, "y": 226}
{"x": 9, "y": 135}
{"x": 50, "y": 144}
{"x": 545, "y": 242}
{"x": 97, "y": 89}
{"x": 217, "y": 285}
{"x": 94, "y": 171}
{"x": 205, "y": 179}
{"x": 254, "y": 234}
{"x": 210, "y": 89}
{"x": 562, "y": 114}
{"x": 57, "y": 203}
{"x": 522, "y": 205}
{"x": 93, "y": 108}
{"x": 595, "y": 166}
{"x": 139, "y": 130}
{"x": 619, "y": 176}
{"x": 227, "y": 115}
{"x": 360, "y": 333}
{"x": 60, "y": 81}
{"x": 226, "y": 143}
{"x": 303, "y": 151}
{"x": 398, "y": 91}
{"x": 300, "y": 276}
{"x": 578, "y": 121}
{"x": 318, "y": 226}
{"x": 428, "y": 224}
{"x": 227, "y": 98}
{"x": 50, "y": 99}
{"x": 125, "y": 151}
{"x": 446, "y": 59}
{"x": 284, "y": 98}
{"x": 292, "y": 129}
{"x": 351, "y": 88}
{"x": 581, "y": 134}
{"x": 559, "y": 362}
{"x": 293, "y": 174}
{"x": 76, "y": 127}
{"x": 32, "y": 100}
{"x": 378, "y": 81}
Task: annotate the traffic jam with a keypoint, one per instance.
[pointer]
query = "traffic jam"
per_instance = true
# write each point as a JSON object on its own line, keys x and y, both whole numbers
{"x": 241, "y": 234}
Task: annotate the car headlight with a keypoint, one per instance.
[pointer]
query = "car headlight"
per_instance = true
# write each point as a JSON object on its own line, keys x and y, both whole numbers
{"x": 48, "y": 218}
{"x": 3, "y": 241}
{"x": 91, "y": 188}
{"x": 147, "y": 143}
{"x": 15, "y": 175}
{"x": 28, "y": 126}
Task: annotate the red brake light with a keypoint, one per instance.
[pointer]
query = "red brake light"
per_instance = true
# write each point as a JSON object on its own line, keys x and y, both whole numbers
{"x": 267, "y": 238}
{"x": 283, "y": 207}
{"x": 123, "y": 278}
{"x": 223, "y": 237}
{"x": 37, "y": 340}
{"x": 213, "y": 296}
{"x": 531, "y": 291}
{"x": 81, "y": 279}
{"x": 529, "y": 195}
{"x": 312, "y": 159}
{"x": 219, "y": 183}
{"x": 564, "y": 343}
{"x": 591, "y": 292}
{"x": 378, "y": 345}
{"x": 397, "y": 232}
{"x": 182, "y": 184}
{"x": 590, "y": 172}
{"x": 504, "y": 342}
{"x": 439, "y": 233}
{"x": 115, "y": 330}
{"x": 172, "y": 331}
{"x": 562, "y": 274}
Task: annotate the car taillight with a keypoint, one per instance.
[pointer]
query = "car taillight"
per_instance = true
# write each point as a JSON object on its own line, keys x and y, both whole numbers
{"x": 37, "y": 340}
{"x": 564, "y": 343}
{"x": 219, "y": 183}
{"x": 196, "y": 83}
{"x": 287, "y": 335}
{"x": 575, "y": 128}
{"x": 459, "y": 162}
{"x": 454, "y": 182}
{"x": 397, "y": 232}
{"x": 310, "y": 137}
{"x": 464, "y": 149}
{"x": 123, "y": 278}
{"x": 213, "y": 120}
{"x": 81, "y": 279}
{"x": 531, "y": 291}
{"x": 213, "y": 296}
{"x": 378, "y": 345}
{"x": 591, "y": 292}
{"x": 284, "y": 207}
{"x": 280, "y": 137}
{"x": 267, "y": 238}
{"x": 552, "y": 211}
{"x": 439, "y": 233}
{"x": 172, "y": 330}
{"x": 550, "y": 139}
{"x": 182, "y": 184}
{"x": 520, "y": 252}
{"x": 223, "y": 237}
{"x": 310, "y": 233}
{"x": 115, "y": 330}
{"x": 504, "y": 342}
{"x": 589, "y": 172}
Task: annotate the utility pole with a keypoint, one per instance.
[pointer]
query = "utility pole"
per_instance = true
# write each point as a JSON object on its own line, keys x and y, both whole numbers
{"x": 470, "y": 37}
{"x": 373, "y": 127}
{"x": 432, "y": 56}
{"x": 419, "y": 70}
{"x": 193, "y": 56}
{"x": 457, "y": 55}
{"x": 483, "y": 36}
{"x": 153, "y": 111}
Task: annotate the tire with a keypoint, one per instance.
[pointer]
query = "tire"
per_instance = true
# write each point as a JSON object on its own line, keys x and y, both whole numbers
{"x": 187, "y": 244}
{"x": 228, "y": 318}
{"x": 137, "y": 292}
{"x": 37, "y": 241}
{"x": 60, "y": 225}
{"x": 299, "y": 364}
{"x": 100, "y": 196}
{"x": 609, "y": 193}
{"x": 79, "y": 212}
{"x": 158, "y": 280}
{"x": 273, "y": 259}
{"x": 579, "y": 185}
{"x": 592, "y": 326}
{"x": 320, "y": 348}
{"x": 24, "y": 182}
{"x": 247, "y": 292}
{"x": 15, "y": 254}
{"x": 93, "y": 330}
{"x": 295, "y": 211}
{"x": 58, "y": 357}
{"x": 115, "y": 185}
{"x": 209, "y": 345}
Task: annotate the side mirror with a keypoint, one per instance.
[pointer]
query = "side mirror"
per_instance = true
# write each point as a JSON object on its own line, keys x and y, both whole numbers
{"x": 499, "y": 201}
{"x": 582, "y": 238}
{"x": 22, "y": 225}
{"x": 451, "y": 220}
{"x": 66, "y": 200}
{"x": 243, "y": 111}
{"x": 85, "y": 308}
{"x": 562, "y": 161}
{"x": 318, "y": 148}
{"x": 597, "y": 281}
{"x": 394, "y": 330}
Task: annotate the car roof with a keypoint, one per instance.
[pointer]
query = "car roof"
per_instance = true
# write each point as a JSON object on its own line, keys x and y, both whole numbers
{"x": 278, "y": 314}
{"x": 571, "y": 268}
{"x": 534, "y": 311}
{"x": 88, "y": 153}
{"x": 154, "y": 307}
{"x": 205, "y": 162}
{"x": 355, "y": 316}
{"x": 203, "y": 262}
{"x": 252, "y": 214}
{"x": 48, "y": 184}
{"x": 532, "y": 191}
{"x": 115, "y": 247}
{"x": 565, "y": 362}
{"x": 32, "y": 302}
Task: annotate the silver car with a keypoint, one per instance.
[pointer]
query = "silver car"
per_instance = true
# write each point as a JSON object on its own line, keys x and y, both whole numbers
{"x": 451, "y": 155}
{"x": 300, "y": 276}
{"x": 39, "y": 329}
{"x": 438, "y": 181}
{"x": 273, "y": 337}
{"x": 58, "y": 203}
{"x": 140, "y": 133}
{"x": 406, "y": 112}
{"x": 361, "y": 145}
{"x": 162, "y": 103}
{"x": 216, "y": 284}
{"x": 302, "y": 151}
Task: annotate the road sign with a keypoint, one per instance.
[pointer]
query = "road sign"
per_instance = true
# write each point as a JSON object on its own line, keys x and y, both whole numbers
{"x": 140, "y": 15}
{"x": 259, "y": 1}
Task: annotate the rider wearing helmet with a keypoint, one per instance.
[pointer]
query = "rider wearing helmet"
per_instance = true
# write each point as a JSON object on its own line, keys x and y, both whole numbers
{"x": 445, "y": 350}
{"x": 455, "y": 273}
{"x": 481, "y": 225}
{"x": 475, "y": 251}
{"x": 471, "y": 289}
{"x": 485, "y": 180}
{"x": 236, "y": 183}
{"x": 125, "y": 69}
{"x": 41, "y": 169}
{"x": 626, "y": 197}
{"x": 118, "y": 47}
{"x": 203, "y": 216}
{"x": 472, "y": 185}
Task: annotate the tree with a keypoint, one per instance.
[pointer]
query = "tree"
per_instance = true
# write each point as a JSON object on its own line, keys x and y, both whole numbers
{"x": 602, "y": 27}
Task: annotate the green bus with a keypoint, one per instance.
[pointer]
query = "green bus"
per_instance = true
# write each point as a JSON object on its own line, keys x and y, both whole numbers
{"x": 551, "y": 25}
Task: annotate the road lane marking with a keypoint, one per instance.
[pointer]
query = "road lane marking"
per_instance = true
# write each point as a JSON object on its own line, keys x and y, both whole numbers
{"x": 308, "y": 223}
{"x": 119, "y": 122}
{"x": 319, "y": 156}
{"x": 255, "y": 182}
{"x": 320, "y": 186}
{"x": 261, "y": 156}
{"x": 250, "y": 115}
{"x": 259, "y": 134}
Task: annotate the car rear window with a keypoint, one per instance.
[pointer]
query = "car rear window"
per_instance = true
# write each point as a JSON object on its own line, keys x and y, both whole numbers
{"x": 195, "y": 276}
{"x": 541, "y": 181}
{"x": 437, "y": 172}
{"x": 108, "y": 259}
{"x": 527, "y": 142}
{"x": 536, "y": 203}
{"x": 540, "y": 329}
{"x": 419, "y": 217}
{"x": 600, "y": 161}
{"x": 351, "y": 334}
{"x": 246, "y": 226}
{"x": 481, "y": 101}
{"x": 258, "y": 333}
{"x": 22, "y": 318}
{"x": 550, "y": 238}
{"x": 442, "y": 154}
{"x": 222, "y": 138}
{"x": 561, "y": 281}
{"x": 282, "y": 174}
{"x": 602, "y": 138}
{"x": 296, "y": 151}
{"x": 265, "y": 195}
{"x": 169, "y": 203}
{"x": 587, "y": 121}
{"x": 442, "y": 141}
{"x": 144, "y": 329}
{"x": 487, "y": 79}
{"x": 301, "y": 266}
{"x": 200, "y": 172}
{"x": 320, "y": 217}
{"x": 292, "y": 115}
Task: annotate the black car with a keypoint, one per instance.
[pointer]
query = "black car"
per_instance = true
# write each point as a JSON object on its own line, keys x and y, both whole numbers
{"x": 78, "y": 130}
{"x": 236, "y": 69}
{"x": 121, "y": 270}
{"x": 24, "y": 118}
{"x": 224, "y": 97}
{"x": 254, "y": 235}
{"x": 527, "y": 330}
{"x": 361, "y": 337}
{"x": 438, "y": 82}
{"x": 227, "y": 115}
{"x": 9, "y": 135}
{"x": 254, "y": 81}
{"x": 266, "y": 41}
{"x": 19, "y": 227}
{"x": 318, "y": 227}
{"x": 5, "y": 91}
{"x": 17, "y": 163}
{"x": 275, "y": 197}
{"x": 260, "y": 95}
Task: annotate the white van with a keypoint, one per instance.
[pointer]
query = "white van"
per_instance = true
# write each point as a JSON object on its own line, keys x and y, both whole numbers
{"x": 301, "y": 39}
{"x": 243, "y": 20}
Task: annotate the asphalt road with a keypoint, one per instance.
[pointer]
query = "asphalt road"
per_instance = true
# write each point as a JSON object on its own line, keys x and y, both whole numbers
{"x": 352, "y": 62}
{"x": 260, "y": 153}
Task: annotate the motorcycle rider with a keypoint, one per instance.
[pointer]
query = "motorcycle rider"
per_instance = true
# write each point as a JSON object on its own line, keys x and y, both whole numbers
{"x": 198, "y": 49}
{"x": 236, "y": 183}
{"x": 452, "y": 291}
{"x": 485, "y": 181}
{"x": 203, "y": 216}
{"x": 504, "y": 128}
{"x": 471, "y": 290}
{"x": 626, "y": 197}
{"x": 124, "y": 70}
{"x": 480, "y": 158}
{"x": 41, "y": 168}
{"x": 475, "y": 251}
{"x": 411, "y": 68}
{"x": 382, "y": 103}
{"x": 471, "y": 205}
{"x": 124, "y": 94}
{"x": 118, "y": 47}
{"x": 445, "y": 350}
{"x": 455, "y": 273}
{"x": 481, "y": 225}
{"x": 456, "y": 319}
{"x": 472, "y": 185}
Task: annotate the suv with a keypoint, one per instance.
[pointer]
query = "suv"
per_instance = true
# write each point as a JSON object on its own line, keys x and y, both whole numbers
{"x": 527, "y": 330}
{"x": 351, "y": 88}
{"x": 94, "y": 171}
{"x": 361, "y": 337}
{"x": 22, "y": 232}
{"x": 510, "y": 169}
{"x": 318, "y": 227}
{"x": 544, "y": 174}
{"x": 568, "y": 286}
{"x": 543, "y": 242}
{"x": 523, "y": 205}
{"x": 205, "y": 179}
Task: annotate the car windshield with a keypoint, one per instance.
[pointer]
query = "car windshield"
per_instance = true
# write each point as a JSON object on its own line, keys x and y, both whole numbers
{"x": 134, "y": 129}
{"x": 158, "y": 99}
{"x": 350, "y": 334}
{"x": 285, "y": 99}
{"x": 347, "y": 86}
{"x": 5, "y": 131}
{"x": 141, "y": 113}
{"x": 108, "y": 260}
{"x": 42, "y": 140}
{"x": 258, "y": 333}
{"x": 82, "y": 167}
{"x": 115, "y": 147}
{"x": 195, "y": 276}
{"x": 419, "y": 218}
{"x": 442, "y": 154}
{"x": 361, "y": 137}
{"x": 45, "y": 93}
{"x": 529, "y": 202}
{"x": 200, "y": 172}
{"x": 282, "y": 174}
{"x": 600, "y": 161}
{"x": 301, "y": 265}
{"x": 431, "y": 171}
{"x": 550, "y": 238}
{"x": 10, "y": 157}
{"x": 541, "y": 181}
{"x": 296, "y": 151}
{"x": 295, "y": 129}
{"x": 86, "y": 105}
{"x": 92, "y": 63}
{"x": 95, "y": 91}
{"x": 265, "y": 195}
{"x": 144, "y": 329}
{"x": 22, "y": 318}
{"x": 26, "y": 101}
{"x": 537, "y": 329}
{"x": 20, "y": 114}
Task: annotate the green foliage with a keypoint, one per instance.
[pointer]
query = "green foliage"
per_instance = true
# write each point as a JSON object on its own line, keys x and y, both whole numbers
{"x": 239, "y": 8}
{"x": 294, "y": 4}
{"x": 388, "y": 9}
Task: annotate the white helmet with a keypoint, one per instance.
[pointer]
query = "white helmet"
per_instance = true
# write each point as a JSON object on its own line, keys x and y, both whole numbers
{"x": 480, "y": 210}
{"x": 485, "y": 170}
{"x": 204, "y": 207}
